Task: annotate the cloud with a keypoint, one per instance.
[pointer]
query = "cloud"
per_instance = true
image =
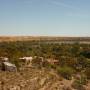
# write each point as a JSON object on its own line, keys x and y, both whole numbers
{"x": 58, "y": 3}
{"x": 76, "y": 11}
{"x": 77, "y": 14}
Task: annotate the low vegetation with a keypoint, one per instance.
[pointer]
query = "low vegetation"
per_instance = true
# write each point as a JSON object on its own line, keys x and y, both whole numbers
{"x": 72, "y": 59}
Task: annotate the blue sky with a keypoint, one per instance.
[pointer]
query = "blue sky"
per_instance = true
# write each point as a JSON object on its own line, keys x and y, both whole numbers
{"x": 45, "y": 17}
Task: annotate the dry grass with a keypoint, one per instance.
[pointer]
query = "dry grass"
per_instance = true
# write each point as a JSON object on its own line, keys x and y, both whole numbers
{"x": 30, "y": 38}
{"x": 34, "y": 79}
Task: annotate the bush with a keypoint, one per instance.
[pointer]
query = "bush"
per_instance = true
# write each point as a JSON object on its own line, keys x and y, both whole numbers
{"x": 77, "y": 85}
{"x": 37, "y": 62}
{"x": 16, "y": 62}
{"x": 66, "y": 72}
{"x": 87, "y": 72}
{"x": 83, "y": 80}
{"x": 80, "y": 82}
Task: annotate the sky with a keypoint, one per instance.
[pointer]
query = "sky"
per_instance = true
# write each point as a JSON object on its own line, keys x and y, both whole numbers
{"x": 45, "y": 17}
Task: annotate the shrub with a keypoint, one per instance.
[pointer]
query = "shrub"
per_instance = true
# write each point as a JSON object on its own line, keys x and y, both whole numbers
{"x": 80, "y": 82}
{"x": 77, "y": 85}
{"x": 83, "y": 80}
{"x": 16, "y": 62}
{"x": 66, "y": 72}
{"x": 37, "y": 62}
{"x": 87, "y": 72}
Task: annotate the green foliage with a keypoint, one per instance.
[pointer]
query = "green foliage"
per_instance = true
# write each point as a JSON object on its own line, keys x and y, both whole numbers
{"x": 37, "y": 62}
{"x": 87, "y": 72}
{"x": 79, "y": 82}
{"x": 83, "y": 79}
{"x": 65, "y": 72}
{"x": 77, "y": 85}
{"x": 74, "y": 56}
{"x": 46, "y": 64}
{"x": 16, "y": 62}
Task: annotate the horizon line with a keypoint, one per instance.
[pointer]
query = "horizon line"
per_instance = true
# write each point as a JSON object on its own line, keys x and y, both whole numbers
{"x": 43, "y": 36}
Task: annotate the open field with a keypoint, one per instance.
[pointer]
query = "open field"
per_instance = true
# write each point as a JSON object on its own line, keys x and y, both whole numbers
{"x": 25, "y": 38}
{"x": 47, "y": 39}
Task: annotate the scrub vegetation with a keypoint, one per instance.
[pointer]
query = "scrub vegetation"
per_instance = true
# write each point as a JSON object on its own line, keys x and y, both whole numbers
{"x": 73, "y": 60}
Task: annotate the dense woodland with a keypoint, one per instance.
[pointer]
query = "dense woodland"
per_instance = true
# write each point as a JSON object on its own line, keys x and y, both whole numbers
{"x": 72, "y": 58}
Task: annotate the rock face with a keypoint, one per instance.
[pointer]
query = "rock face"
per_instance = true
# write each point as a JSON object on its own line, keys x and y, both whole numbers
{"x": 9, "y": 67}
{"x": 33, "y": 79}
